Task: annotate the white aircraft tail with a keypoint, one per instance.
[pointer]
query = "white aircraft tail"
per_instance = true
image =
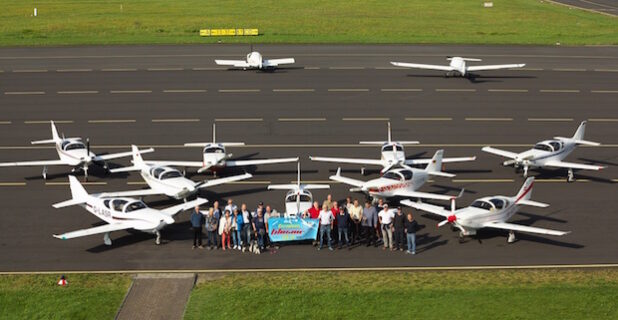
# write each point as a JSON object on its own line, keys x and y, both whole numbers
{"x": 79, "y": 194}
{"x": 435, "y": 166}
{"x": 578, "y": 137}
{"x": 464, "y": 59}
{"x": 138, "y": 162}
{"x": 526, "y": 190}
{"x": 55, "y": 137}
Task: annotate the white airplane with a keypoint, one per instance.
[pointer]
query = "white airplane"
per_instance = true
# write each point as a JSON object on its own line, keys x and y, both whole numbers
{"x": 549, "y": 153}
{"x": 255, "y": 60}
{"x": 488, "y": 212}
{"x": 166, "y": 180}
{"x": 392, "y": 154}
{"x": 298, "y": 198}
{"x": 400, "y": 182}
{"x": 214, "y": 157}
{"x": 72, "y": 152}
{"x": 120, "y": 213}
{"x": 458, "y": 66}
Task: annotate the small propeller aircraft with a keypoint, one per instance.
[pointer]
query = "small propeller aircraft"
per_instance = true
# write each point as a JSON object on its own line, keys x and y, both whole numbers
{"x": 215, "y": 158}
{"x": 72, "y": 152}
{"x": 298, "y": 198}
{"x": 549, "y": 153}
{"x": 488, "y": 212}
{"x": 255, "y": 60}
{"x": 392, "y": 154}
{"x": 166, "y": 180}
{"x": 458, "y": 66}
{"x": 400, "y": 182}
{"x": 120, "y": 213}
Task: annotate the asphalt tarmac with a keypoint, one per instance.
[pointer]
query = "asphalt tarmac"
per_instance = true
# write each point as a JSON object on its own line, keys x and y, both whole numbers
{"x": 334, "y": 96}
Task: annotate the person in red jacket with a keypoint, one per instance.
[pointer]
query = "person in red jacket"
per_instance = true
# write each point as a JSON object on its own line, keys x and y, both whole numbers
{"x": 314, "y": 211}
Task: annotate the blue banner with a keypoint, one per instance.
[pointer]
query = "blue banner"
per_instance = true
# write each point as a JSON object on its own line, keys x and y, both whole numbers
{"x": 291, "y": 229}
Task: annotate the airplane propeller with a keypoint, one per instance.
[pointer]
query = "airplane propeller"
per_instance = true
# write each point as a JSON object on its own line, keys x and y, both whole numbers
{"x": 452, "y": 218}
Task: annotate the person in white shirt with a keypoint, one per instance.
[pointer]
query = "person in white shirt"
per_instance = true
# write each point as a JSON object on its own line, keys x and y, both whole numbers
{"x": 230, "y": 206}
{"x": 247, "y": 219}
{"x": 326, "y": 225}
{"x": 386, "y": 217}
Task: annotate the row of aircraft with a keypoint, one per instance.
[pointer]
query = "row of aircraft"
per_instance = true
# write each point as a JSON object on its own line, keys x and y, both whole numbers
{"x": 457, "y": 66}
{"x": 400, "y": 179}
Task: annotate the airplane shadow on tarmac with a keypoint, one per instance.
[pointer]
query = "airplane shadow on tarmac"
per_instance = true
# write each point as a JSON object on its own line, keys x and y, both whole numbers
{"x": 474, "y": 78}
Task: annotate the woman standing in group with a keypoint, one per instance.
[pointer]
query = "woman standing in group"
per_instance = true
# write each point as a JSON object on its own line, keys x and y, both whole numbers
{"x": 225, "y": 229}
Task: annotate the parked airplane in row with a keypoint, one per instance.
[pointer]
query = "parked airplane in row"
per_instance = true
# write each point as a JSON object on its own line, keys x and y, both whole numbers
{"x": 255, "y": 60}
{"x": 72, "y": 152}
{"x": 458, "y": 66}
{"x": 120, "y": 213}
{"x": 400, "y": 182}
{"x": 392, "y": 155}
{"x": 166, "y": 180}
{"x": 298, "y": 198}
{"x": 549, "y": 153}
{"x": 488, "y": 212}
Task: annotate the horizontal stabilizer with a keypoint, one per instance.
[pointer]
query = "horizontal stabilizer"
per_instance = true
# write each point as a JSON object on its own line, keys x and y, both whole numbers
{"x": 68, "y": 203}
{"x": 533, "y": 203}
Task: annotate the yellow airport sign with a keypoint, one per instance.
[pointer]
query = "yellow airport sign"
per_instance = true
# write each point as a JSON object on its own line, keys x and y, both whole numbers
{"x": 228, "y": 32}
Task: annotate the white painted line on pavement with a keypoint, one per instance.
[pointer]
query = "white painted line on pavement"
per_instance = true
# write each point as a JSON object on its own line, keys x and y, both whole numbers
{"x": 482, "y": 180}
{"x": 113, "y": 121}
{"x": 175, "y": 120}
{"x": 301, "y": 119}
{"x": 402, "y": 90}
{"x": 347, "y": 90}
{"x": 118, "y": 69}
{"x": 293, "y": 90}
{"x": 209, "y": 69}
{"x": 550, "y": 119}
{"x": 346, "y": 68}
{"x": 238, "y": 90}
{"x": 83, "y": 183}
{"x": 559, "y": 91}
{"x": 184, "y": 90}
{"x": 429, "y": 119}
{"x": 129, "y": 91}
{"x": 16, "y": 93}
{"x": 238, "y": 119}
{"x": 569, "y": 69}
{"x": 606, "y": 70}
{"x": 164, "y": 69}
{"x": 46, "y": 121}
{"x": 489, "y": 119}
{"x": 73, "y": 70}
{"x": 12, "y": 184}
{"x": 604, "y": 91}
{"x": 456, "y": 90}
{"x": 78, "y": 92}
{"x": 507, "y": 90}
{"x": 312, "y": 68}
{"x": 30, "y": 71}
{"x": 602, "y": 120}
{"x": 366, "y": 119}
{"x": 5, "y": 122}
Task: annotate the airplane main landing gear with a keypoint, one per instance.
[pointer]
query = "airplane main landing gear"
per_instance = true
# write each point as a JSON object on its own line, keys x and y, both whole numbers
{"x": 570, "y": 176}
{"x": 461, "y": 237}
{"x": 45, "y": 173}
{"x": 362, "y": 171}
{"x": 158, "y": 239}
{"x": 106, "y": 239}
{"x": 525, "y": 171}
{"x": 511, "y": 237}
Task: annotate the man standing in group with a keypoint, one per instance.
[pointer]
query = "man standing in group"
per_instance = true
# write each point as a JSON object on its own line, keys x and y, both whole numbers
{"x": 328, "y": 202}
{"x": 356, "y": 215}
{"x": 399, "y": 233}
{"x": 230, "y": 205}
{"x": 212, "y": 227}
{"x": 369, "y": 223}
{"x": 326, "y": 225}
{"x": 218, "y": 215}
{"x": 313, "y": 213}
{"x": 386, "y": 217}
{"x": 343, "y": 219}
{"x": 247, "y": 220}
{"x": 411, "y": 226}
{"x": 197, "y": 221}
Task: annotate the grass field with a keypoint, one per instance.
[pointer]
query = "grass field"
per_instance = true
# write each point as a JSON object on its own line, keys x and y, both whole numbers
{"x": 526, "y": 294}
{"x": 72, "y": 22}
{"x": 38, "y": 296}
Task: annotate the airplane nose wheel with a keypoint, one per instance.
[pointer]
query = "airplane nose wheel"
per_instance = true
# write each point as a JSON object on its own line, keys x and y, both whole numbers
{"x": 461, "y": 237}
{"x": 158, "y": 239}
{"x": 106, "y": 239}
{"x": 570, "y": 176}
{"x": 45, "y": 173}
{"x": 362, "y": 171}
{"x": 511, "y": 237}
{"x": 525, "y": 171}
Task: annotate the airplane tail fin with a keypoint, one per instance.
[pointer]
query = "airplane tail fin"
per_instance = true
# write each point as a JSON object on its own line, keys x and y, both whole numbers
{"x": 579, "y": 134}
{"x": 138, "y": 161}
{"x": 526, "y": 190}
{"x": 79, "y": 194}
{"x": 436, "y": 162}
{"x": 55, "y": 137}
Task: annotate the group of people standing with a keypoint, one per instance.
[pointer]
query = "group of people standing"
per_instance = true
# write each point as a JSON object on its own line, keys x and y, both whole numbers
{"x": 348, "y": 224}
{"x": 352, "y": 223}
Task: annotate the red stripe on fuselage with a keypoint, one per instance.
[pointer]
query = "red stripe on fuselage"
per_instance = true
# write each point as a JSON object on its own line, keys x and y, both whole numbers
{"x": 525, "y": 192}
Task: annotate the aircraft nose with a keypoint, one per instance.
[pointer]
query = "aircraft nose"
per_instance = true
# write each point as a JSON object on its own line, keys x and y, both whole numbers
{"x": 452, "y": 218}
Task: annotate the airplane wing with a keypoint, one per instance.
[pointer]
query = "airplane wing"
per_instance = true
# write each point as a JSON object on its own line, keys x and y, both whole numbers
{"x": 444, "y": 160}
{"x": 234, "y": 63}
{"x": 502, "y": 153}
{"x": 422, "y": 66}
{"x": 427, "y": 207}
{"x": 374, "y": 162}
{"x": 197, "y": 164}
{"x": 215, "y": 182}
{"x": 276, "y": 62}
{"x": 518, "y": 227}
{"x": 571, "y": 165}
{"x": 423, "y": 195}
{"x": 350, "y": 181}
{"x": 171, "y": 211}
{"x": 495, "y": 67}
{"x": 33, "y": 163}
{"x": 242, "y": 163}
{"x": 111, "y": 156}
{"x": 96, "y": 230}
{"x": 130, "y": 193}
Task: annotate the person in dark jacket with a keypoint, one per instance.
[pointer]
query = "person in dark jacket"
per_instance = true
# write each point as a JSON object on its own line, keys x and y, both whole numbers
{"x": 370, "y": 223}
{"x": 343, "y": 219}
{"x": 398, "y": 224}
{"x": 197, "y": 221}
{"x": 411, "y": 226}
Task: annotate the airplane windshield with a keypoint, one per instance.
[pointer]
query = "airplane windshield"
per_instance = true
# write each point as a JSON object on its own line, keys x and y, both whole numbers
{"x": 407, "y": 174}
{"x": 133, "y": 206}
{"x": 303, "y": 198}
{"x": 556, "y": 145}
{"x": 543, "y": 147}
{"x": 213, "y": 150}
{"x": 392, "y": 148}
{"x": 118, "y": 204}
{"x": 498, "y": 203}
{"x": 170, "y": 174}
{"x": 481, "y": 204}
{"x": 392, "y": 176}
{"x": 156, "y": 172}
{"x": 74, "y": 146}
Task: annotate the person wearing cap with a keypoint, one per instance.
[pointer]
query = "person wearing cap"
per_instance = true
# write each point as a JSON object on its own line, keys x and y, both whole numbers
{"x": 197, "y": 221}
{"x": 386, "y": 221}
{"x": 260, "y": 208}
{"x": 399, "y": 236}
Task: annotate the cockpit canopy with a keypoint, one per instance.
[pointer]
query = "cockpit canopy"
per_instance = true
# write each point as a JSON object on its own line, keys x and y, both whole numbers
{"x": 124, "y": 205}
{"x": 214, "y": 149}
{"x": 549, "y": 146}
{"x": 390, "y": 147}
{"x": 489, "y": 204}
{"x": 305, "y": 196}
{"x": 163, "y": 173}
{"x": 72, "y": 145}
{"x": 399, "y": 175}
